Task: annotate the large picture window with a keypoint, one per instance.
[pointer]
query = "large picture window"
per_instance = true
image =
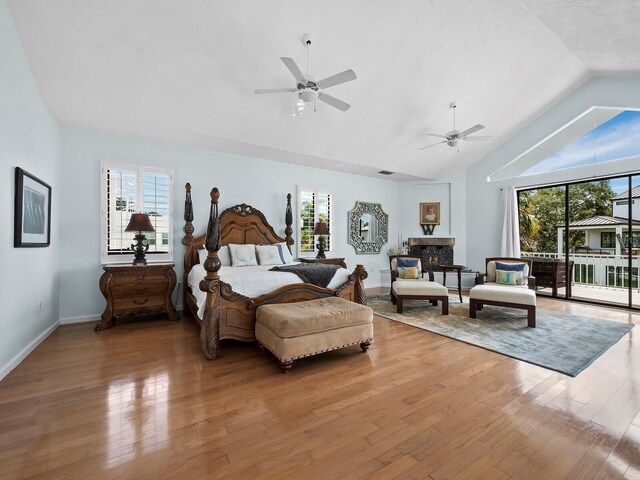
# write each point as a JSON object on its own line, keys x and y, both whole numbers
{"x": 128, "y": 189}
{"x": 313, "y": 206}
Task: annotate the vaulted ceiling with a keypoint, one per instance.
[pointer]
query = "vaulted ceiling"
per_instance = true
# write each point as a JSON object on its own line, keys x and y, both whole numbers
{"x": 185, "y": 71}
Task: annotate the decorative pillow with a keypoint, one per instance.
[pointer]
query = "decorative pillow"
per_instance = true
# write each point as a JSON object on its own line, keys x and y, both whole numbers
{"x": 406, "y": 262}
{"x": 408, "y": 273}
{"x": 285, "y": 254}
{"x": 509, "y": 277}
{"x": 513, "y": 267}
{"x": 223, "y": 255}
{"x": 269, "y": 255}
{"x": 243, "y": 255}
{"x": 510, "y": 267}
{"x": 202, "y": 255}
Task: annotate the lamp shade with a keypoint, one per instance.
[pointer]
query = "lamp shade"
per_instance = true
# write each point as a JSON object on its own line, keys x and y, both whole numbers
{"x": 321, "y": 229}
{"x": 139, "y": 222}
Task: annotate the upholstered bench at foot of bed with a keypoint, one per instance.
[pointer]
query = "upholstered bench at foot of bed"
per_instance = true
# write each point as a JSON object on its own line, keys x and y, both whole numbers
{"x": 504, "y": 296}
{"x": 296, "y": 330}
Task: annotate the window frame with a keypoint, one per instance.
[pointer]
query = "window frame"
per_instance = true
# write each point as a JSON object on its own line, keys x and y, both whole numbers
{"x": 316, "y": 191}
{"x": 126, "y": 258}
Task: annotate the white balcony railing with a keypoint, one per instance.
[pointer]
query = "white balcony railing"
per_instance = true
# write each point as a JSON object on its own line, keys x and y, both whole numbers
{"x": 598, "y": 269}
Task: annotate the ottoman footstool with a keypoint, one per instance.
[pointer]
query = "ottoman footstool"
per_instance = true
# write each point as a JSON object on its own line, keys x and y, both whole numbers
{"x": 419, "y": 290}
{"x": 296, "y": 330}
{"x": 503, "y": 296}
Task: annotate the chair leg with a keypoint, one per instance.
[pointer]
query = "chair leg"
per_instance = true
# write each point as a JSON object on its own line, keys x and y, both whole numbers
{"x": 399, "y": 304}
{"x": 445, "y": 306}
{"x": 434, "y": 302}
{"x": 393, "y": 298}
{"x": 472, "y": 308}
{"x": 531, "y": 317}
{"x": 365, "y": 346}
{"x": 479, "y": 306}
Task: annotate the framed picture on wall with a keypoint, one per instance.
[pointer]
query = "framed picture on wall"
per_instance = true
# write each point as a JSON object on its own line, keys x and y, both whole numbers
{"x": 430, "y": 213}
{"x": 32, "y": 212}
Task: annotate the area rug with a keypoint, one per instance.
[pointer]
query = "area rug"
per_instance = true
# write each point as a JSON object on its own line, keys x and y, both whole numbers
{"x": 562, "y": 342}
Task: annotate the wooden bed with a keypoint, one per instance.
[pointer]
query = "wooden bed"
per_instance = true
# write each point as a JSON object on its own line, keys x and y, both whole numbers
{"x": 228, "y": 314}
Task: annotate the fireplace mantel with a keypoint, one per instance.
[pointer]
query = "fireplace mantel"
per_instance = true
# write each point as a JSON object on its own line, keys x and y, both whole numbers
{"x": 437, "y": 241}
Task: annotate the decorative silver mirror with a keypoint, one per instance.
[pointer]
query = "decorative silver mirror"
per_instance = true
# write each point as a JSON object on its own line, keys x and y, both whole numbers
{"x": 368, "y": 227}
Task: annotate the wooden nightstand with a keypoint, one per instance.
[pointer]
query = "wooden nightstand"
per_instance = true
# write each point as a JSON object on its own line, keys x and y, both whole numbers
{"x": 332, "y": 261}
{"x": 137, "y": 290}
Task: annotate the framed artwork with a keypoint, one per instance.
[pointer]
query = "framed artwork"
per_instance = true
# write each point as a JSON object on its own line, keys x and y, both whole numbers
{"x": 32, "y": 219}
{"x": 430, "y": 213}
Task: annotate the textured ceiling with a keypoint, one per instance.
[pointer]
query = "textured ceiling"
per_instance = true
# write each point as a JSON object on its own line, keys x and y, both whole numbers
{"x": 185, "y": 70}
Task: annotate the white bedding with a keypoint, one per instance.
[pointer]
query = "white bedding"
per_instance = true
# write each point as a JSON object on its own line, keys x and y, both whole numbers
{"x": 252, "y": 281}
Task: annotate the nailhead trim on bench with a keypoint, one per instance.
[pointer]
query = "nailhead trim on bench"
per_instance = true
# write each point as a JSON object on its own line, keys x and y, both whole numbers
{"x": 316, "y": 353}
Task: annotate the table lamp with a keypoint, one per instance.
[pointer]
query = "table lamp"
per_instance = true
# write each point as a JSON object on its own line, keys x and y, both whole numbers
{"x": 139, "y": 222}
{"x": 321, "y": 230}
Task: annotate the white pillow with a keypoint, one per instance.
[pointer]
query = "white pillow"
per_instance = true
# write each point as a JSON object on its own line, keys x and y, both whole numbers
{"x": 285, "y": 254}
{"x": 243, "y": 255}
{"x": 268, "y": 255}
{"x": 223, "y": 255}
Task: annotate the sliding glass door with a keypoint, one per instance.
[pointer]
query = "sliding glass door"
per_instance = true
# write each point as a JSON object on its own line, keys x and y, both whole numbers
{"x": 584, "y": 239}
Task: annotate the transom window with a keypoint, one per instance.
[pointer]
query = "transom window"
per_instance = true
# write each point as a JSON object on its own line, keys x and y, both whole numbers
{"x": 128, "y": 189}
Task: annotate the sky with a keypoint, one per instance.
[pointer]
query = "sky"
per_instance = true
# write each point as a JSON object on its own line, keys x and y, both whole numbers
{"x": 615, "y": 139}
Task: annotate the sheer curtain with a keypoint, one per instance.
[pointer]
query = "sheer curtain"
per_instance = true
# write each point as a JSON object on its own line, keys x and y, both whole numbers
{"x": 510, "y": 226}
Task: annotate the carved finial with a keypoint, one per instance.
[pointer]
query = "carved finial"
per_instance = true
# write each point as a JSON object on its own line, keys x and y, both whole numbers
{"x": 288, "y": 220}
{"x": 187, "y": 187}
{"x": 215, "y": 195}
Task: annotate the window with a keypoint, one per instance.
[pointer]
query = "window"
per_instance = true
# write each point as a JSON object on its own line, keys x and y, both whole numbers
{"x": 313, "y": 206}
{"x": 127, "y": 189}
{"x": 607, "y": 240}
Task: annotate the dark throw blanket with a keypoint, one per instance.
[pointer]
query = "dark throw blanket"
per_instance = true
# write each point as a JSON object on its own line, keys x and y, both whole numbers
{"x": 318, "y": 274}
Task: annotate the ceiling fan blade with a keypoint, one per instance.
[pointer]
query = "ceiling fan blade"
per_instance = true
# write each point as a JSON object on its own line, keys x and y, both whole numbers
{"x": 275, "y": 90}
{"x": 433, "y": 145}
{"x": 337, "y": 79}
{"x": 293, "y": 68}
{"x": 334, "y": 102}
{"x": 436, "y": 135}
{"x": 477, "y": 138}
{"x": 471, "y": 130}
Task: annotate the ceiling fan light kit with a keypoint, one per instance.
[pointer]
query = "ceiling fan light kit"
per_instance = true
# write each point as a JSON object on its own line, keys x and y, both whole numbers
{"x": 308, "y": 90}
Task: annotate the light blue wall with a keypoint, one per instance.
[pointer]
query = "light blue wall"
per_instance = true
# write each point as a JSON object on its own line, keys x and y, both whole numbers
{"x": 484, "y": 200}
{"x": 261, "y": 183}
{"x": 29, "y": 138}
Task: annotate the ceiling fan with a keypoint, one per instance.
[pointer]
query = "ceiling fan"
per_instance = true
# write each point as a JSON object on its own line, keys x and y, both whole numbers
{"x": 309, "y": 90}
{"x": 454, "y": 137}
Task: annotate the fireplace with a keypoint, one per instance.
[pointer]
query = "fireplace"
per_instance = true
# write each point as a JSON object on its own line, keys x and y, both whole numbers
{"x": 434, "y": 251}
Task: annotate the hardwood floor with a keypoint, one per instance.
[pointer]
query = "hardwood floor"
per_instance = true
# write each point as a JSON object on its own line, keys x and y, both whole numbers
{"x": 140, "y": 401}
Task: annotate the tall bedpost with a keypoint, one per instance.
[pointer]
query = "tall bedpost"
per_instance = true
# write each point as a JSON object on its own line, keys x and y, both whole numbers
{"x": 188, "y": 216}
{"x": 288, "y": 219}
{"x": 210, "y": 330}
{"x": 361, "y": 274}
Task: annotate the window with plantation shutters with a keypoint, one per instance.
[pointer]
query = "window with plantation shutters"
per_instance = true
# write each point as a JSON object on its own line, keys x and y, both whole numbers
{"x": 314, "y": 206}
{"x": 128, "y": 189}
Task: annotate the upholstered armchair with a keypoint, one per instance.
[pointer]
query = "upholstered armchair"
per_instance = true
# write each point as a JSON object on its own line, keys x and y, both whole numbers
{"x": 507, "y": 283}
{"x": 408, "y": 282}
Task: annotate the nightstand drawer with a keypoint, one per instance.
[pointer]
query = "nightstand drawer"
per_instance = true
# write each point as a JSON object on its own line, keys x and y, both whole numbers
{"x": 138, "y": 289}
{"x": 139, "y": 278}
{"x": 141, "y": 301}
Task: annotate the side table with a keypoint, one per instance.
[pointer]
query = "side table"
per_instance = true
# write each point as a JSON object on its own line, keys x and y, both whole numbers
{"x": 137, "y": 290}
{"x": 456, "y": 268}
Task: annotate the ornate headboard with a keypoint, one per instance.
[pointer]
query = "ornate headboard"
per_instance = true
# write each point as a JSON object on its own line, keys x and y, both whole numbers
{"x": 238, "y": 224}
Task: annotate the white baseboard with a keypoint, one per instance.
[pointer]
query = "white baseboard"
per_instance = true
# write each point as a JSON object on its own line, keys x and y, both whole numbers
{"x": 80, "y": 319}
{"x": 15, "y": 361}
